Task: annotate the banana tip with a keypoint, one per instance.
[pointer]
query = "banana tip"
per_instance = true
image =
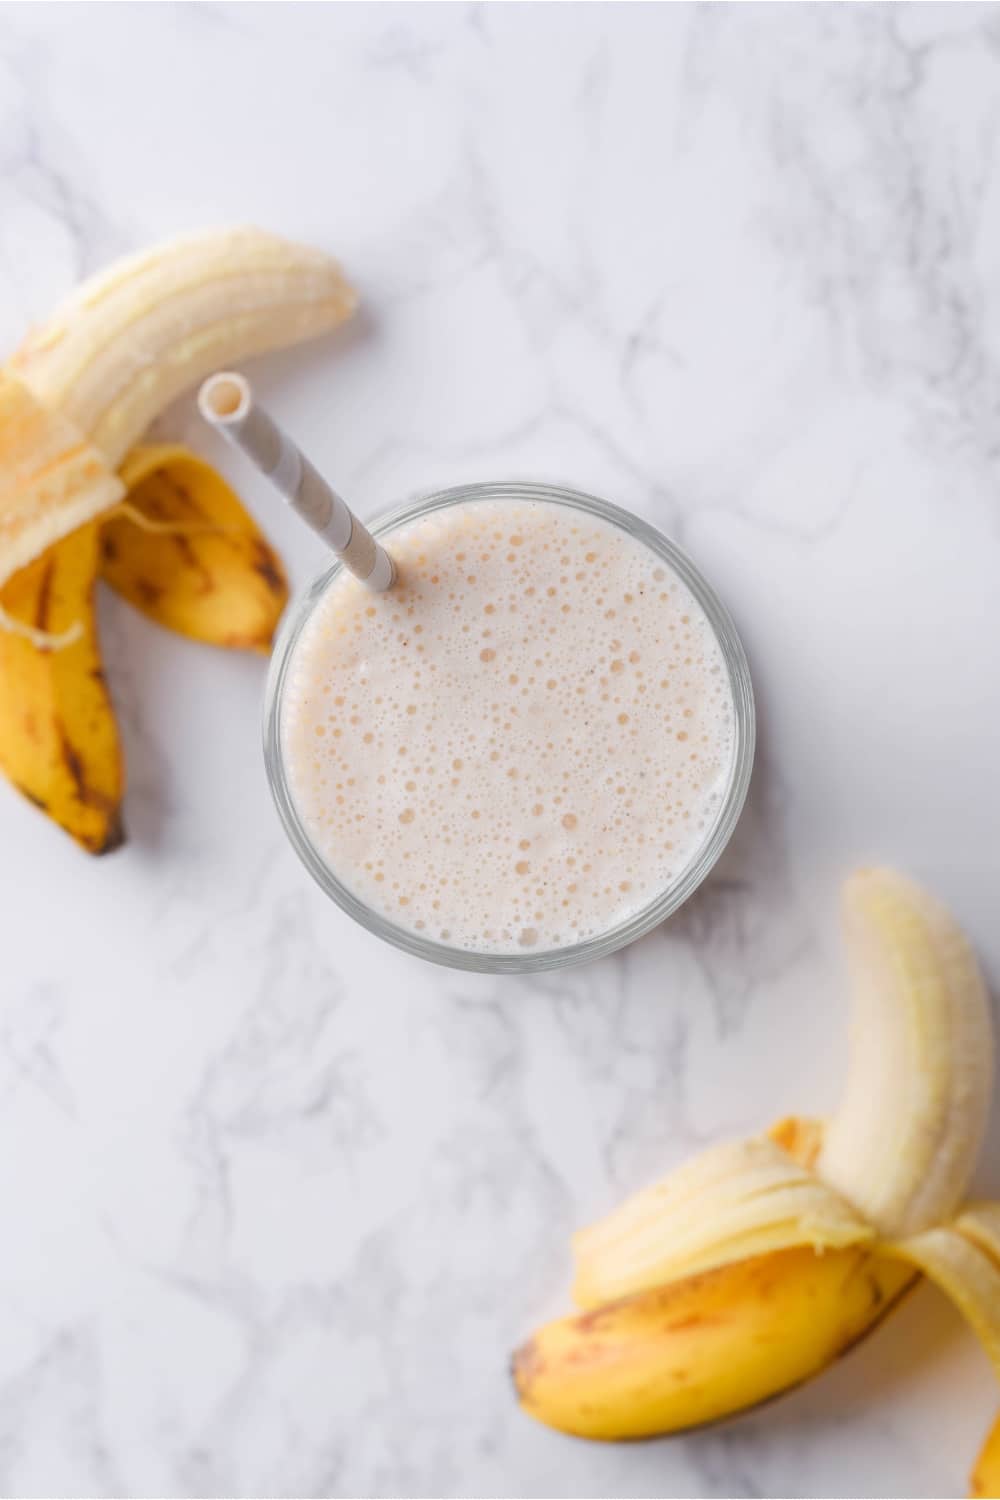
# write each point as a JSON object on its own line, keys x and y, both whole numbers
{"x": 525, "y": 1364}
{"x": 113, "y": 839}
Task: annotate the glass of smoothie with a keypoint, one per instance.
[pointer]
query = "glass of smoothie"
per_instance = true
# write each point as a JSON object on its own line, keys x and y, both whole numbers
{"x": 528, "y": 751}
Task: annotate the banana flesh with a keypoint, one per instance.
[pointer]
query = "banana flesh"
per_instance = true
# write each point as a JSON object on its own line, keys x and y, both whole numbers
{"x": 729, "y": 1203}
{"x": 51, "y": 478}
{"x": 903, "y": 1144}
{"x": 131, "y": 339}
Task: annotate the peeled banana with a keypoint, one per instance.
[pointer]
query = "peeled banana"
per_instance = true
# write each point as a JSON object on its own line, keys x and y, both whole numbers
{"x": 131, "y": 339}
{"x": 905, "y": 1139}
{"x": 750, "y": 1268}
{"x": 75, "y": 399}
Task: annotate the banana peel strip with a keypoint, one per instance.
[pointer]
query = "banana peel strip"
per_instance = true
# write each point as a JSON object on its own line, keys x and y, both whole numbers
{"x": 963, "y": 1259}
{"x": 183, "y": 550}
{"x": 732, "y": 1202}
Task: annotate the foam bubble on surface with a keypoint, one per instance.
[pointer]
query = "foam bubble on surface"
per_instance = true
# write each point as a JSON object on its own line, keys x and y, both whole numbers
{"x": 521, "y": 744}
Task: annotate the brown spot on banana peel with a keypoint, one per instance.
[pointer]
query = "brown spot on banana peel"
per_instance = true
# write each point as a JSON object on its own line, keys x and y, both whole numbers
{"x": 265, "y": 562}
{"x": 73, "y": 763}
{"x": 194, "y": 562}
{"x": 699, "y": 1320}
{"x": 44, "y": 596}
{"x": 89, "y": 796}
{"x": 149, "y": 593}
{"x": 178, "y": 491}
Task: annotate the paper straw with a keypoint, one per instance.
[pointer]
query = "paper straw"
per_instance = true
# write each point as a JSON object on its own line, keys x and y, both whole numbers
{"x": 226, "y": 401}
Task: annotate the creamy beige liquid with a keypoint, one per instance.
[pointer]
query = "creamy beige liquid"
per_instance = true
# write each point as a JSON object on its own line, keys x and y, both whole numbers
{"x": 521, "y": 744}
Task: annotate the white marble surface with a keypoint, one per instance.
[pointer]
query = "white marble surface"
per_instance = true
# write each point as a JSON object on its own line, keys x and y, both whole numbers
{"x": 278, "y": 1200}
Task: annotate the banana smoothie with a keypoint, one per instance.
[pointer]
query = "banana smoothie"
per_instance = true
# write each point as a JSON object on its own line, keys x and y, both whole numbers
{"x": 522, "y": 743}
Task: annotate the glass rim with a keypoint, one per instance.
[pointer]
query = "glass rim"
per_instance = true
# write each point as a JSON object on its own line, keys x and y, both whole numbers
{"x": 689, "y": 878}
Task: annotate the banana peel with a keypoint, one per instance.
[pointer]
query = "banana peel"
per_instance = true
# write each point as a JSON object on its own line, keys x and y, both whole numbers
{"x": 184, "y": 551}
{"x": 706, "y": 1346}
{"x": 180, "y": 547}
{"x": 59, "y": 742}
{"x": 985, "y": 1482}
{"x": 962, "y": 1258}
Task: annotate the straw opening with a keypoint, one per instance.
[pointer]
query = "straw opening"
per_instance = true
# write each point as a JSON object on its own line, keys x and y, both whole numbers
{"x": 225, "y": 398}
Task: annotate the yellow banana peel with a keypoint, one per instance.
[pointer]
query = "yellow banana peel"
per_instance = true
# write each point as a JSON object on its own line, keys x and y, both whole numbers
{"x": 706, "y": 1346}
{"x": 59, "y": 741}
{"x": 179, "y": 546}
{"x": 184, "y": 551}
{"x": 962, "y": 1258}
{"x": 985, "y": 1483}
